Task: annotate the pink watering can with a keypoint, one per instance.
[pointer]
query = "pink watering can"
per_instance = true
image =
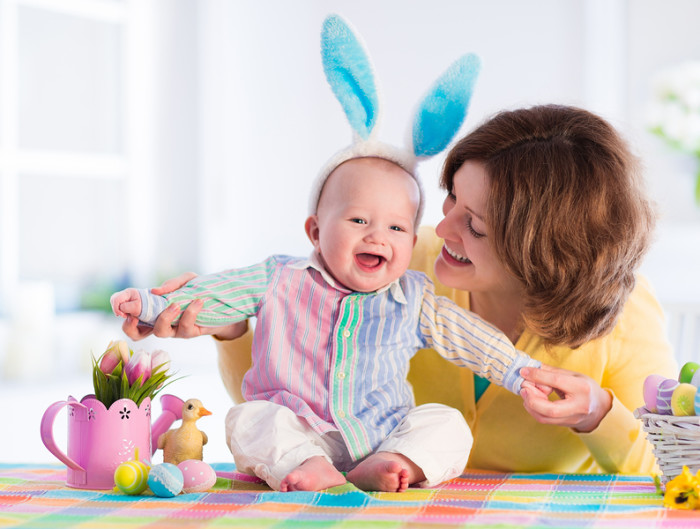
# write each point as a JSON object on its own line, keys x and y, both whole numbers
{"x": 100, "y": 439}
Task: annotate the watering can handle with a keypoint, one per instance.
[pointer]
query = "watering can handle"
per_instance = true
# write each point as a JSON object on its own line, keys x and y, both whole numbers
{"x": 172, "y": 411}
{"x": 47, "y": 421}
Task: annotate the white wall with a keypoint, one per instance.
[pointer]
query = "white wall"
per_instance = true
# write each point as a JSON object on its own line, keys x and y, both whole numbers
{"x": 279, "y": 121}
{"x": 661, "y": 34}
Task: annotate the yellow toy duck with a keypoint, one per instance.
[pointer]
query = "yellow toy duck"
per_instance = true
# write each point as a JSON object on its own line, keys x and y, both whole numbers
{"x": 185, "y": 442}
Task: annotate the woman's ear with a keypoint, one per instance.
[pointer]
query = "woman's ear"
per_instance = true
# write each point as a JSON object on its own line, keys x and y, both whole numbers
{"x": 312, "y": 231}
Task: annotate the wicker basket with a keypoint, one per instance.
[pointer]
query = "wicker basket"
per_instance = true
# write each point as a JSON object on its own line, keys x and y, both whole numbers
{"x": 676, "y": 441}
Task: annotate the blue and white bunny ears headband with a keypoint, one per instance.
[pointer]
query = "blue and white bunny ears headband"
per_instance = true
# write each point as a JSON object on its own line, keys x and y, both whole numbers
{"x": 436, "y": 120}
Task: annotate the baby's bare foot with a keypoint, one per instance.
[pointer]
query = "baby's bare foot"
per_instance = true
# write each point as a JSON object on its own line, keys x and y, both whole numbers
{"x": 314, "y": 474}
{"x": 378, "y": 473}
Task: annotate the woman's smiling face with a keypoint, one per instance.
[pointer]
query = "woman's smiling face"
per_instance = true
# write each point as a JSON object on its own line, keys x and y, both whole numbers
{"x": 468, "y": 261}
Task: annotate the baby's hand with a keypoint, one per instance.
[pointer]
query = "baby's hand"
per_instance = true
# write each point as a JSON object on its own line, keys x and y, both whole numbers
{"x": 126, "y": 303}
{"x": 533, "y": 393}
{"x": 530, "y": 391}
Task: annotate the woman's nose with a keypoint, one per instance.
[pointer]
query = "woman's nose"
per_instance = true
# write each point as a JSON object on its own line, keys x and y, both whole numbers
{"x": 444, "y": 227}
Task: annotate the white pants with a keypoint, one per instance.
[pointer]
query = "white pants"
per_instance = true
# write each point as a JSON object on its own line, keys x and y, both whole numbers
{"x": 269, "y": 441}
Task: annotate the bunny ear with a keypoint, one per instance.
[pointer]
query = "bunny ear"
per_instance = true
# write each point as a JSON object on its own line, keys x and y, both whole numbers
{"x": 350, "y": 74}
{"x": 443, "y": 109}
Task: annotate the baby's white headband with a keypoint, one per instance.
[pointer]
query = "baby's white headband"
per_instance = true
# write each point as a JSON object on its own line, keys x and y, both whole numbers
{"x": 435, "y": 122}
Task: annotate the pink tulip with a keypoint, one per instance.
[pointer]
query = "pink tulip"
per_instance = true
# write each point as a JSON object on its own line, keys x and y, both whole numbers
{"x": 160, "y": 359}
{"x": 116, "y": 352}
{"x": 139, "y": 366}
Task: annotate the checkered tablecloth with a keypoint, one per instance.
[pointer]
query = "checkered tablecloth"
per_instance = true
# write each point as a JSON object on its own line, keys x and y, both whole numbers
{"x": 36, "y": 496}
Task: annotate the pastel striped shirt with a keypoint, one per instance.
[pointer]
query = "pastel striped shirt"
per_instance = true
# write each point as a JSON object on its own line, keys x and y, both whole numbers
{"x": 339, "y": 358}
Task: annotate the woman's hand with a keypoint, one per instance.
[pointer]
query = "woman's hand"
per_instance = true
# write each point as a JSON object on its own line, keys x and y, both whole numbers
{"x": 186, "y": 327}
{"x": 582, "y": 405}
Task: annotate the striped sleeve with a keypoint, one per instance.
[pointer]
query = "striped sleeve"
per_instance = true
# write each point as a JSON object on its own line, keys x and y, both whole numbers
{"x": 465, "y": 339}
{"x": 229, "y": 297}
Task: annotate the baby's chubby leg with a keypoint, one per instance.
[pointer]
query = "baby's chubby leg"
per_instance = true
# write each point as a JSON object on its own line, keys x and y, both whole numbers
{"x": 269, "y": 441}
{"x": 430, "y": 445}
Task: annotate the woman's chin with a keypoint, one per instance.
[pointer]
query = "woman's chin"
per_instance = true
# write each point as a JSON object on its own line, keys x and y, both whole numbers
{"x": 451, "y": 272}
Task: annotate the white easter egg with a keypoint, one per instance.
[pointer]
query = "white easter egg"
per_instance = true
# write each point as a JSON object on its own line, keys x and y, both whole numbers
{"x": 197, "y": 475}
{"x": 695, "y": 381}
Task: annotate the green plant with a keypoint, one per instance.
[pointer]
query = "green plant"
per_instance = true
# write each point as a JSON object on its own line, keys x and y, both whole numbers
{"x": 119, "y": 373}
{"x": 675, "y": 111}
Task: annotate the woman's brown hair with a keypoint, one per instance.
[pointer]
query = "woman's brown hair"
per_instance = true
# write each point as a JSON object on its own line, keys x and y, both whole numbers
{"x": 567, "y": 214}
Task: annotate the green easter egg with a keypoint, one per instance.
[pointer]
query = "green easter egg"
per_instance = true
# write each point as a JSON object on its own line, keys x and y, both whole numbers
{"x": 683, "y": 400}
{"x": 687, "y": 372}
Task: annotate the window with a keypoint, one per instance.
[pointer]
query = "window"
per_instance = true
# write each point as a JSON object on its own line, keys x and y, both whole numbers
{"x": 69, "y": 88}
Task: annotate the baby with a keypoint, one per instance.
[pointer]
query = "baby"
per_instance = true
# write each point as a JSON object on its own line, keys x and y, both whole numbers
{"x": 326, "y": 397}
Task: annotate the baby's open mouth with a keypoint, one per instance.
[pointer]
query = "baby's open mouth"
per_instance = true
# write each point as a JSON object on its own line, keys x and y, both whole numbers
{"x": 369, "y": 260}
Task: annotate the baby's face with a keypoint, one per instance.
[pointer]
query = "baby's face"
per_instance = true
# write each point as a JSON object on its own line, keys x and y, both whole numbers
{"x": 364, "y": 229}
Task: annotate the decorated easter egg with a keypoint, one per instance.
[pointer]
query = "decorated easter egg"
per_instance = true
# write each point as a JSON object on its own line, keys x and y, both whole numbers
{"x": 687, "y": 372}
{"x": 131, "y": 477}
{"x": 697, "y": 403}
{"x": 651, "y": 390}
{"x": 165, "y": 480}
{"x": 663, "y": 397}
{"x": 695, "y": 381}
{"x": 198, "y": 476}
{"x": 683, "y": 399}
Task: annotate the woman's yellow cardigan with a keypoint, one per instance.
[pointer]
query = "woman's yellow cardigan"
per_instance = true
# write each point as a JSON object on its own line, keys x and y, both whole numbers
{"x": 506, "y": 437}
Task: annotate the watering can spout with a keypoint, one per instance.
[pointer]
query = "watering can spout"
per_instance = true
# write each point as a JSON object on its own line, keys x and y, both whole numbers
{"x": 172, "y": 411}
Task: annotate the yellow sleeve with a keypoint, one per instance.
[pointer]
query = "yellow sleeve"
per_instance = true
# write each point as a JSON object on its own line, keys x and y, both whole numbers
{"x": 619, "y": 443}
{"x": 234, "y": 359}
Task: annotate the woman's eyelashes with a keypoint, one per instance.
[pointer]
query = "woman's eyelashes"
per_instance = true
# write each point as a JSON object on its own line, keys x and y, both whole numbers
{"x": 477, "y": 235}
{"x": 471, "y": 229}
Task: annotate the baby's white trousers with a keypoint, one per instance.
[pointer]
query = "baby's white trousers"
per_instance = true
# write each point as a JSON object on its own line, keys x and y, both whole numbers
{"x": 269, "y": 441}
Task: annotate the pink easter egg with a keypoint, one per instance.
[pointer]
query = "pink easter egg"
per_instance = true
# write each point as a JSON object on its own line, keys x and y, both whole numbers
{"x": 651, "y": 390}
{"x": 663, "y": 398}
{"x": 197, "y": 475}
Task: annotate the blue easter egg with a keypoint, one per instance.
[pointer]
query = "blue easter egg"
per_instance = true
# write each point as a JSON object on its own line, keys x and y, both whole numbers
{"x": 165, "y": 480}
{"x": 697, "y": 403}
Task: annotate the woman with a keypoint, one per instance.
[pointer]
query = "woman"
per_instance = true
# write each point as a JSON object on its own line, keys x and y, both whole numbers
{"x": 545, "y": 226}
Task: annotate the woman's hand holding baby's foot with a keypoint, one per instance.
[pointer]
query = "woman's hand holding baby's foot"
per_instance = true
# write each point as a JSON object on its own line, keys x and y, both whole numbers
{"x": 386, "y": 472}
{"x": 316, "y": 473}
